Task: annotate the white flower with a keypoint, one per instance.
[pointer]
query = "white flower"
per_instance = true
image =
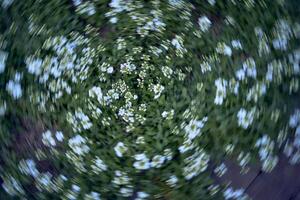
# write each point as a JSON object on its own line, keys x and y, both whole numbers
{"x": 245, "y": 118}
{"x": 164, "y": 114}
{"x": 205, "y": 67}
{"x": 229, "y": 193}
{"x": 43, "y": 180}
{"x": 212, "y": 2}
{"x": 110, "y": 70}
{"x": 250, "y": 67}
{"x": 269, "y": 75}
{"x": 175, "y": 42}
{"x": 92, "y": 196}
{"x": 113, "y": 20}
{"x": 18, "y": 77}
{"x": 6, "y": 3}
{"x": 140, "y": 156}
{"x": 117, "y": 5}
{"x": 3, "y": 57}
{"x": 157, "y": 161}
{"x": 12, "y": 186}
{"x": 220, "y": 170}
{"x": 126, "y": 192}
{"x": 168, "y": 154}
{"x": 167, "y": 71}
{"x": 127, "y": 67}
{"x": 142, "y": 162}
{"x": 87, "y": 8}
{"x": 236, "y": 44}
{"x": 240, "y": 74}
{"x": 194, "y": 127}
{"x": 120, "y": 149}
{"x": 157, "y": 89}
{"x": 168, "y": 115}
{"x": 75, "y": 188}
{"x": 59, "y": 136}
{"x": 140, "y": 140}
{"x": 224, "y": 49}
{"x": 28, "y": 167}
{"x": 14, "y": 89}
{"x": 3, "y": 109}
{"x": 175, "y": 3}
{"x": 294, "y": 119}
{"x": 121, "y": 178}
{"x": 78, "y": 145}
{"x": 98, "y": 165}
{"x": 141, "y": 195}
{"x": 280, "y": 43}
{"x": 221, "y": 91}
{"x": 204, "y": 23}
{"x": 34, "y": 65}
{"x": 77, "y": 2}
{"x": 195, "y": 164}
{"x": 96, "y": 92}
{"x": 47, "y": 139}
{"x": 172, "y": 181}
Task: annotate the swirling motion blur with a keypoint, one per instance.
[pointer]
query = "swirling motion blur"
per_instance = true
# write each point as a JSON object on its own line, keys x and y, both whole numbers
{"x": 137, "y": 99}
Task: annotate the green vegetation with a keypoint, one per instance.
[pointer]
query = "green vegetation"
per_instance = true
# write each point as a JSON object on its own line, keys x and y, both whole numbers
{"x": 132, "y": 99}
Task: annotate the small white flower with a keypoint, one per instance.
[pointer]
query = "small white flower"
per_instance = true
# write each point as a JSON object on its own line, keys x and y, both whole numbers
{"x": 87, "y": 8}
{"x": 176, "y": 43}
{"x": 47, "y": 139}
{"x": 6, "y": 3}
{"x": 126, "y": 192}
{"x": 14, "y": 89}
{"x": 229, "y": 193}
{"x": 92, "y": 196}
{"x": 204, "y": 23}
{"x": 164, "y": 114}
{"x": 113, "y": 20}
{"x": 221, "y": 91}
{"x": 43, "y": 180}
{"x": 77, "y": 2}
{"x": 240, "y": 74}
{"x": 212, "y": 2}
{"x": 280, "y": 43}
{"x": 110, "y": 70}
{"x": 175, "y": 3}
{"x": 172, "y": 181}
{"x": 236, "y": 44}
{"x": 142, "y": 195}
{"x": 75, "y": 188}
{"x": 120, "y": 149}
{"x": 59, "y": 136}
{"x": 140, "y": 156}
{"x": 158, "y": 89}
{"x": 78, "y": 145}
{"x": 245, "y": 118}
{"x": 140, "y": 140}
{"x": 157, "y": 161}
{"x": 142, "y": 162}
{"x": 3, "y": 57}
{"x": 2, "y": 109}
{"x": 250, "y": 67}
{"x": 98, "y": 165}
{"x": 96, "y": 92}
{"x": 193, "y": 129}
{"x": 34, "y": 65}
{"x": 294, "y": 119}
{"x": 28, "y": 167}
{"x": 224, "y": 49}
